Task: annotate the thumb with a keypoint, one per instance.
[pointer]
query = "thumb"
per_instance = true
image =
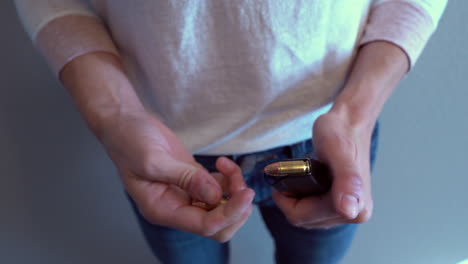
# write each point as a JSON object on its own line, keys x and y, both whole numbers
{"x": 195, "y": 180}
{"x": 347, "y": 189}
{"x": 344, "y": 148}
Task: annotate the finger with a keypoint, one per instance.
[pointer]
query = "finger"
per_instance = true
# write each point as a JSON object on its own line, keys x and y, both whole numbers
{"x": 193, "y": 179}
{"x": 285, "y": 203}
{"x": 310, "y": 209}
{"x": 157, "y": 202}
{"x": 222, "y": 181}
{"x": 193, "y": 219}
{"x": 233, "y": 174}
{"x": 323, "y": 221}
{"x": 234, "y": 207}
{"x": 227, "y": 233}
{"x": 325, "y": 225}
{"x": 364, "y": 216}
{"x": 169, "y": 205}
{"x": 347, "y": 190}
{"x": 229, "y": 213}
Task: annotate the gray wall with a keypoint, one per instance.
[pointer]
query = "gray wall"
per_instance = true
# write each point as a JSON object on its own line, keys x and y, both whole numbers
{"x": 61, "y": 202}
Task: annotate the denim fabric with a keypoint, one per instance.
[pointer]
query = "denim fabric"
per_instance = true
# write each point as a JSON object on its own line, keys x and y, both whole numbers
{"x": 292, "y": 244}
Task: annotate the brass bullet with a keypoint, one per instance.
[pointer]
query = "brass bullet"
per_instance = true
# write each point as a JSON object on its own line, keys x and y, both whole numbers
{"x": 297, "y": 167}
{"x": 299, "y": 177}
{"x": 210, "y": 207}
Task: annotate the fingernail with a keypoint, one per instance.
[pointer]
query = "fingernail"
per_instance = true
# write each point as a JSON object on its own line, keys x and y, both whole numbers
{"x": 209, "y": 193}
{"x": 349, "y": 205}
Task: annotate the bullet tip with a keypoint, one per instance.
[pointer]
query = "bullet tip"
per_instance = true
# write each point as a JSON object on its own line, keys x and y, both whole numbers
{"x": 273, "y": 169}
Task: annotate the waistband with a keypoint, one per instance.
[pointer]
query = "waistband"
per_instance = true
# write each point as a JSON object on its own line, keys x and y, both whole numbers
{"x": 247, "y": 161}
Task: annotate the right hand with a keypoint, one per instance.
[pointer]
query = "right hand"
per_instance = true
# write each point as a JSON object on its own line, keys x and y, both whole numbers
{"x": 162, "y": 177}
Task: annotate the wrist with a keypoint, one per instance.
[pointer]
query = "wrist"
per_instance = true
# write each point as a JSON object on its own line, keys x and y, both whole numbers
{"x": 354, "y": 116}
{"x": 362, "y": 100}
{"x": 359, "y": 113}
{"x": 377, "y": 70}
{"x": 107, "y": 120}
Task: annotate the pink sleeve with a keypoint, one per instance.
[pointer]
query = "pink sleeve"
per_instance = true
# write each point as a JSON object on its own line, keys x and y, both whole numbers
{"x": 64, "y": 29}
{"x": 68, "y": 37}
{"x": 407, "y": 24}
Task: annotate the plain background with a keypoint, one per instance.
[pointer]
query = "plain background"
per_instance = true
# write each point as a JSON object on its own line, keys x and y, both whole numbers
{"x": 61, "y": 201}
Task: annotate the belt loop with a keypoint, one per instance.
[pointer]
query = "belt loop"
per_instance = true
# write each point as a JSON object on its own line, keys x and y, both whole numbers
{"x": 296, "y": 149}
{"x": 289, "y": 151}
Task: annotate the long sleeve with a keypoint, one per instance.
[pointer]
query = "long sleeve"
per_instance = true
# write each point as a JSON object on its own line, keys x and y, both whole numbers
{"x": 405, "y": 23}
{"x": 64, "y": 29}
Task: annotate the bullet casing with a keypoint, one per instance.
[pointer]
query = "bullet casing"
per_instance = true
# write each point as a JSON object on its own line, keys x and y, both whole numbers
{"x": 293, "y": 167}
{"x": 299, "y": 177}
{"x": 206, "y": 206}
{"x": 210, "y": 207}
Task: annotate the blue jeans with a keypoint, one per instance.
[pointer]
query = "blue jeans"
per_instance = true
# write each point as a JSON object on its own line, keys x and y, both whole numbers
{"x": 292, "y": 244}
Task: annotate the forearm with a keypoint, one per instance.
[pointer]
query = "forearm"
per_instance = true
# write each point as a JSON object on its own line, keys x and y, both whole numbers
{"x": 80, "y": 51}
{"x": 378, "y": 68}
{"x": 394, "y": 37}
{"x": 100, "y": 88}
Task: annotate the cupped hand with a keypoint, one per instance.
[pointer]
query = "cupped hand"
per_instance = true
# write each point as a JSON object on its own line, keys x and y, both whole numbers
{"x": 162, "y": 177}
{"x": 345, "y": 148}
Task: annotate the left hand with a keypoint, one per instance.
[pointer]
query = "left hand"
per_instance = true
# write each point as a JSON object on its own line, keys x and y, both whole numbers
{"x": 345, "y": 147}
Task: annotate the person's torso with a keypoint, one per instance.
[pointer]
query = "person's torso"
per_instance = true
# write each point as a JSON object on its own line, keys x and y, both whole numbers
{"x": 231, "y": 76}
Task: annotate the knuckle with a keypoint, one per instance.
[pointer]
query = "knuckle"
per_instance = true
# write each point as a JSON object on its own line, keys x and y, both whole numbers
{"x": 185, "y": 178}
{"x": 148, "y": 166}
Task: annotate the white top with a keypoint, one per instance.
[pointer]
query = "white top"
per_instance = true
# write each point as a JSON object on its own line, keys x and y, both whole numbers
{"x": 231, "y": 76}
